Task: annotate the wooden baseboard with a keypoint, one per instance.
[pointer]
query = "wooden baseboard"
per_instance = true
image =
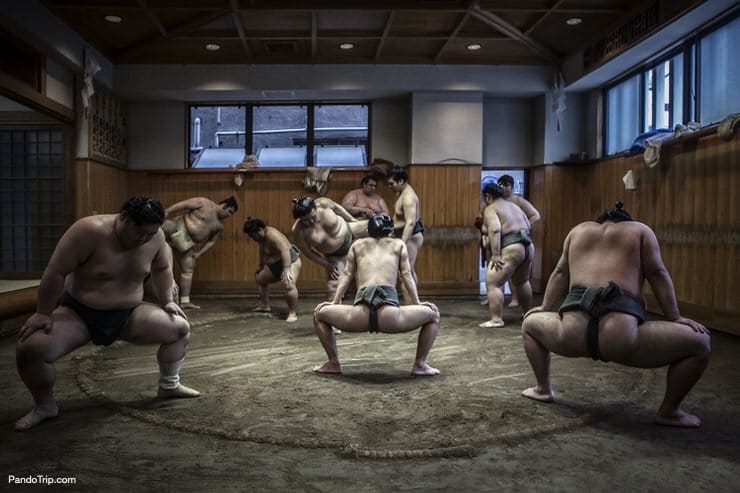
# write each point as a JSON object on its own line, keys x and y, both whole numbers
{"x": 19, "y": 302}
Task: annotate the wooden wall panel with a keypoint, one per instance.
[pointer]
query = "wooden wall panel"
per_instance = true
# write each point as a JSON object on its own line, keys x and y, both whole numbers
{"x": 448, "y": 194}
{"x": 99, "y": 188}
{"x": 690, "y": 201}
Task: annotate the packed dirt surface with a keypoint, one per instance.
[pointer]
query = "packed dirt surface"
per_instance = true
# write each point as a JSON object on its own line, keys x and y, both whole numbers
{"x": 266, "y": 422}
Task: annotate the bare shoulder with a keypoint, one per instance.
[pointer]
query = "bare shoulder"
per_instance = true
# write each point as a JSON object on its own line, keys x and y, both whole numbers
{"x": 324, "y": 202}
{"x": 274, "y": 233}
{"x": 97, "y": 224}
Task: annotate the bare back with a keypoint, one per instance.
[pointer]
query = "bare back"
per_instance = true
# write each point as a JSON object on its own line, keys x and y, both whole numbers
{"x": 599, "y": 253}
{"x": 510, "y": 215}
{"x": 379, "y": 260}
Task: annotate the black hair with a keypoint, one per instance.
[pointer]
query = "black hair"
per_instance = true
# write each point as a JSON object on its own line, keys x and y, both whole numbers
{"x": 616, "y": 215}
{"x": 398, "y": 174}
{"x": 506, "y": 180}
{"x": 302, "y": 207}
{"x": 231, "y": 203}
{"x": 380, "y": 226}
{"x": 143, "y": 210}
{"x": 366, "y": 179}
{"x": 253, "y": 225}
{"x": 494, "y": 189}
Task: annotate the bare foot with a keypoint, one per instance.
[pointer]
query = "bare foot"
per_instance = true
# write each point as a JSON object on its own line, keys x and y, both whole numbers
{"x": 491, "y": 324}
{"x": 262, "y": 309}
{"x": 513, "y": 304}
{"x": 424, "y": 370}
{"x": 536, "y": 394}
{"x": 180, "y": 391}
{"x": 190, "y": 306}
{"x": 484, "y": 301}
{"x": 678, "y": 418}
{"x": 328, "y": 367}
{"x": 36, "y": 416}
{"x": 292, "y": 317}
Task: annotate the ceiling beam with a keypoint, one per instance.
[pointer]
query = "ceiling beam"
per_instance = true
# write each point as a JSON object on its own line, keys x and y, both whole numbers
{"x": 153, "y": 17}
{"x": 314, "y": 34}
{"x": 536, "y": 23}
{"x": 514, "y": 33}
{"x": 386, "y": 30}
{"x": 183, "y": 28}
{"x": 452, "y": 35}
{"x": 240, "y": 27}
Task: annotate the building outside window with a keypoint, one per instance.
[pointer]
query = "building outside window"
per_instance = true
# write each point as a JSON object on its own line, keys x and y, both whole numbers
{"x": 279, "y": 135}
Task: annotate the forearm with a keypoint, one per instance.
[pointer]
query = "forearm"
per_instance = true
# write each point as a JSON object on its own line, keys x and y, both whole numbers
{"x": 408, "y": 281}
{"x": 662, "y": 286}
{"x": 556, "y": 287}
{"x": 162, "y": 282}
{"x": 342, "y": 286}
{"x": 50, "y": 290}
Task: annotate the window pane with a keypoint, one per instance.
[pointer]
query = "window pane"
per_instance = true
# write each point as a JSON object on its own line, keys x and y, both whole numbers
{"x": 217, "y": 136}
{"x": 623, "y": 115}
{"x": 279, "y": 135}
{"x": 649, "y": 96}
{"x": 720, "y": 73}
{"x": 340, "y": 135}
{"x": 677, "y": 90}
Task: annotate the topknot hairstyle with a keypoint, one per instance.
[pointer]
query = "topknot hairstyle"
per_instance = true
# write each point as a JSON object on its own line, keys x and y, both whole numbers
{"x": 398, "y": 174}
{"x": 302, "y": 207}
{"x": 380, "y": 226}
{"x": 143, "y": 210}
{"x": 231, "y": 203}
{"x": 253, "y": 225}
{"x": 494, "y": 189}
{"x": 616, "y": 215}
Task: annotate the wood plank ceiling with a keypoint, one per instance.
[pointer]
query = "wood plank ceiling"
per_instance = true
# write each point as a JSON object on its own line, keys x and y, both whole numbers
{"x": 507, "y": 32}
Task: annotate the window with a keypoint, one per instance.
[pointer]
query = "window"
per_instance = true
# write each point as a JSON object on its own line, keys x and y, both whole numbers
{"x": 279, "y": 135}
{"x": 31, "y": 198}
{"x": 719, "y": 73}
{"x": 622, "y": 115}
{"x": 665, "y": 93}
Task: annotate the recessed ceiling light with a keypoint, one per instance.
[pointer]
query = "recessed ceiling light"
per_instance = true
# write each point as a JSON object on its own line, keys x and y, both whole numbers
{"x": 213, "y": 47}
{"x": 346, "y": 46}
{"x": 474, "y": 46}
{"x": 574, "y": 21}
{"x": 113, "y": 19}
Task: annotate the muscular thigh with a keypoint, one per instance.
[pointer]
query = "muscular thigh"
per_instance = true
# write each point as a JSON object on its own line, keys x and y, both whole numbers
{"x": 521, "y": 273}
{"x": 67, "y": 334}
{"x": 660, "y": 342}
{"x": 265, "y": 276}
{"x": 346, "y": 317}
{"x": 392, "y": 319}
{"x": 150, "y": 324}
{"x": 566, "y": 337}
{"x": 499, "y": 277}
{"x": 414, "y": 245}
{"x": 295, "y": 269}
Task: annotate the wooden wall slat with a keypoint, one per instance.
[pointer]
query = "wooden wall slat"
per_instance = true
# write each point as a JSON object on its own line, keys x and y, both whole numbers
{"x": 689, "y": 199}
{"x": 267, "y": 194}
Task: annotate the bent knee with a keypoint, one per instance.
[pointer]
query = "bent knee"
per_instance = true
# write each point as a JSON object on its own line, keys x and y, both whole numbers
{"x": 182, "y": 328}
{"x": 703, "y": 345}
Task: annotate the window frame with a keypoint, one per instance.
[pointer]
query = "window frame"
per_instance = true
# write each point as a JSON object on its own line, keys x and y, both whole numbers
{"x": 249, "y": 126}
{"x": 689, "y": 48}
